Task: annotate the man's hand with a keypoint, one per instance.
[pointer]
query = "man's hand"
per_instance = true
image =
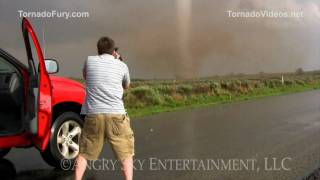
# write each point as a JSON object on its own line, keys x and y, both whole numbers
{"x": 125, "y": 85}
{"x": 116, "y": 55}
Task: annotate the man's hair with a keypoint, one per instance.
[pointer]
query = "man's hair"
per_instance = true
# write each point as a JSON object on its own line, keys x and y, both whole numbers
{"x": 105, "y": 45}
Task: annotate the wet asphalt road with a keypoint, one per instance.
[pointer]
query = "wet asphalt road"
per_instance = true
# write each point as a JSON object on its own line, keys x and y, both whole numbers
{"x": 286, "y": 128}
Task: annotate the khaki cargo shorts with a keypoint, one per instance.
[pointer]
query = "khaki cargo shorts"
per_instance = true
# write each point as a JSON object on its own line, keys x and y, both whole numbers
{"x": 114, "y": 128}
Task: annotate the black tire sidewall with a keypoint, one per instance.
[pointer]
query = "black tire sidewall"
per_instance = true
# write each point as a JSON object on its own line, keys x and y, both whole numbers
{"x": 4, "y": 152}
{"x": 52, "y": 147}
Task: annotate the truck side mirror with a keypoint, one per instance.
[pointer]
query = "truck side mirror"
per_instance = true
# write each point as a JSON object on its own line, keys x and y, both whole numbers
{"x": 52, "y": 66}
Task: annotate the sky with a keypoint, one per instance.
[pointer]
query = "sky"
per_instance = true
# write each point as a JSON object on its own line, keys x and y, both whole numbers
{"x": 171, "y": 39}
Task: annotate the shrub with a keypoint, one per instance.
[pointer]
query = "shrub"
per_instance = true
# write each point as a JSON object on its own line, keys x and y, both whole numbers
{"x": 215, "y": 85}
{"x": 177, "y": 97}
{"x": 289, "y": 82}
{"x": 273, "y": 83}
{"x": 143, "y": 96}
{"x": 300, "y": 82}
{"x": 166, "y": 89}
{"x": 185, "y": 89}
{"x": 202, "y": 88}
{"x": 310, "y": 80}
{"x": 258, "y": 84}
{"x": 226, "y": 85}
{"x": 250, "y": 85}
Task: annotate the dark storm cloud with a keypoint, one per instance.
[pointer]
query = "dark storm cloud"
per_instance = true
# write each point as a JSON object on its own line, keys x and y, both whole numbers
{"x": 148, "y": 34}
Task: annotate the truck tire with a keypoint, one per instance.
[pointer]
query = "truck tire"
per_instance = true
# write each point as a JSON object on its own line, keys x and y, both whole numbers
{"x": 4, "y": 152}
{"x": 63, "y": 147}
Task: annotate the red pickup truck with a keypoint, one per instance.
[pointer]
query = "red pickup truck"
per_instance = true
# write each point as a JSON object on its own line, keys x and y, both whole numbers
{"x": 37, "y": 108}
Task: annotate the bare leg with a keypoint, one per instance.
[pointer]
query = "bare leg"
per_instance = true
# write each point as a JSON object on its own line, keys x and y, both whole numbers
{"x": 127, "y": 165}
{"x": 80, "y": 167}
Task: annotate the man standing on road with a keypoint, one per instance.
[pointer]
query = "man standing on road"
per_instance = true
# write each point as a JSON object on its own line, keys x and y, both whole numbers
{"x": 106, "y": 118}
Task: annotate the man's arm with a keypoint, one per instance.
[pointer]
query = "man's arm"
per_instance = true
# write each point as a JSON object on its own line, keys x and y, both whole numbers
{"x": 84, "y": 71}
{"x": 126, "y": 79}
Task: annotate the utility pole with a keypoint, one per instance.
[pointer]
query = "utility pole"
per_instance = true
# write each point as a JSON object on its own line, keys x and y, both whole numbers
{"x": 43, "y": 40}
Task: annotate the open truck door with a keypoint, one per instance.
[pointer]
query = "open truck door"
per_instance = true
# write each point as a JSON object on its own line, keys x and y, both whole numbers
{"x": 40, "y": 105}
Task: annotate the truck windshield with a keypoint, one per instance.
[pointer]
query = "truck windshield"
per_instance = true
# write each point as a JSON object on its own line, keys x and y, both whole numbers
{"x": 5, "y": 67}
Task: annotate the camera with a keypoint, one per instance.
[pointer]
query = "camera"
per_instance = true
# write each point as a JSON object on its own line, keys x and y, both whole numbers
{"x": 117, "y": 51}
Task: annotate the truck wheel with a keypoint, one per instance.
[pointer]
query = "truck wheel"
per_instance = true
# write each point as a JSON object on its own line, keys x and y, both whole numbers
{"x": 64, "y": 141}
{"x": 4, "y": 152}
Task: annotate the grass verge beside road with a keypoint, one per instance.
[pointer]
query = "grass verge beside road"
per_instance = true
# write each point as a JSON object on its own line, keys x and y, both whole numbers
{"x": 202, "y": 101}
{"x": 151, "y": 97}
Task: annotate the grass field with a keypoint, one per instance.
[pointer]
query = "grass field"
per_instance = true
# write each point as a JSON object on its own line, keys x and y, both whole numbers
{"x": 155, "y": 96}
